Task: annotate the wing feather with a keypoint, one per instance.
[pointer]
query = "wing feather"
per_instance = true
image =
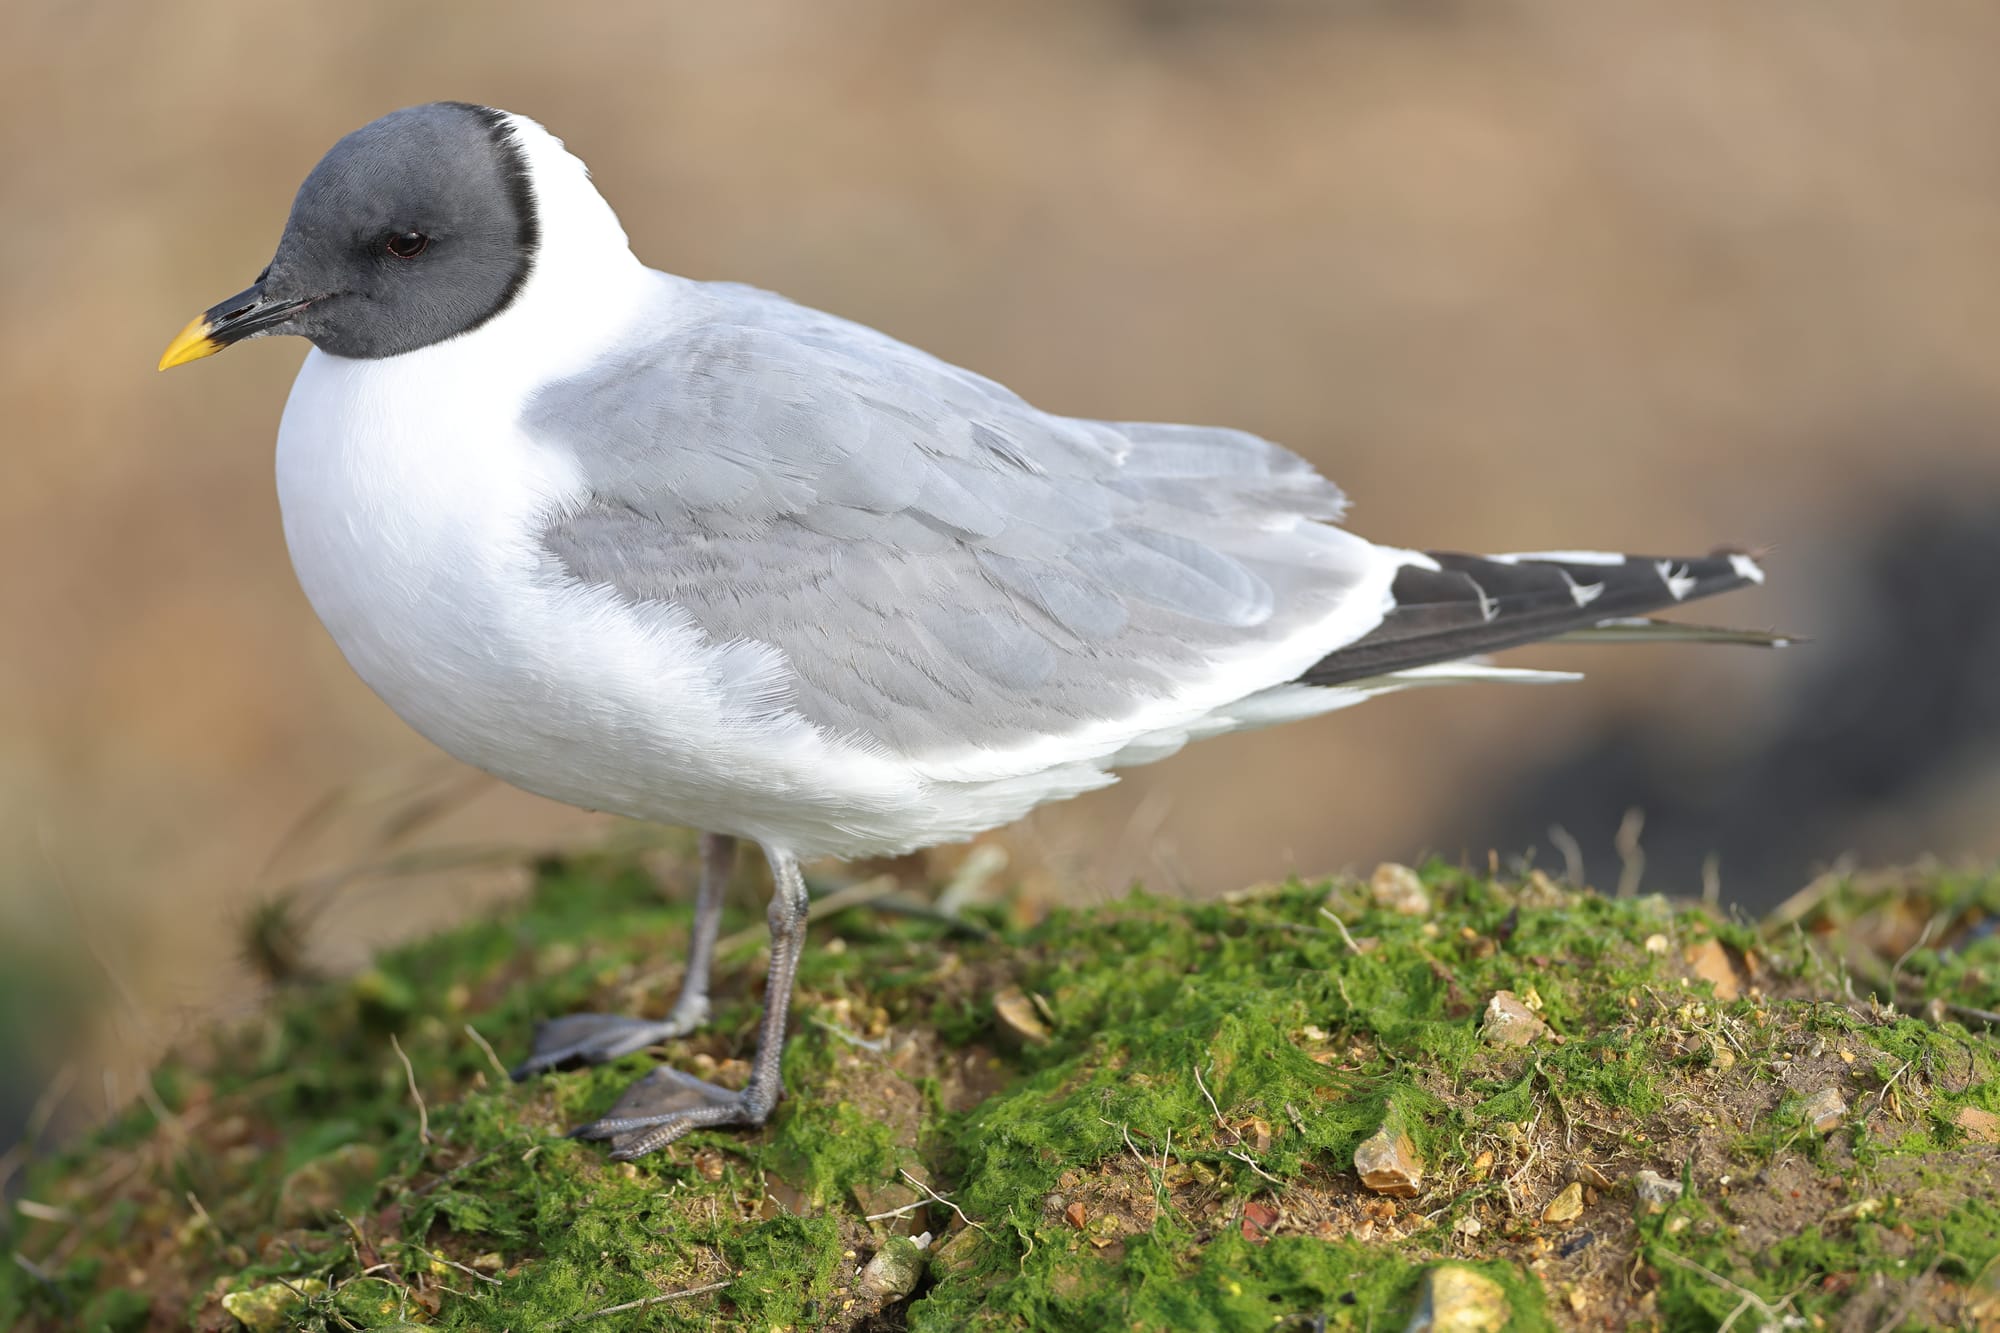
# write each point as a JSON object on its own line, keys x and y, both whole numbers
{"x": 946, "y": 569}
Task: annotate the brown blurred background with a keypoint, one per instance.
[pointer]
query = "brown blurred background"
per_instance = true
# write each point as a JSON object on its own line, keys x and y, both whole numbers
{"x": 1517, "y": 274}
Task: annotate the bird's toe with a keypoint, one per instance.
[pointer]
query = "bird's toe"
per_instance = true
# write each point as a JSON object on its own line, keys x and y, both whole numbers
{"x": 661, "y": 1107}
{"x": 593, "y": 1039}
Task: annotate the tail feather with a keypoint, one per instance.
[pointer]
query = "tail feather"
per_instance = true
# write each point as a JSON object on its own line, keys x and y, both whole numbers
{"x": 1448, "y": 606}
{"x": 1644, "y": 630}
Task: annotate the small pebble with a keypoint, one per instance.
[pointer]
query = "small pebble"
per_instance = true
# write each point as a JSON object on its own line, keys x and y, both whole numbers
{"x": 1824, "y": 1110}
{"x": 1567, "y": 1206}
{"x": 1653, "y": 1193}
{"x": 893, "y": 1273}
{"x": 268, "y": 1309}
{"x": 1396, "y": 888}
{"x": 1977, "y": 1125}
{"x": 1020, "y": 1021}
{"x": 1458, "y": 1300}
{"x": 1388, "y": 1164}
{"x": 1510, "y": 1022}
{"x": 1709, "y": 960}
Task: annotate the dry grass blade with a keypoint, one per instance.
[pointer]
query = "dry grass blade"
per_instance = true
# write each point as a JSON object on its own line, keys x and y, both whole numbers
{"x": 854, "y": 895}
{"x": 640, "y": 1304}
{"x": 410, "y": 1073}
{"x": 491, "y": 1057}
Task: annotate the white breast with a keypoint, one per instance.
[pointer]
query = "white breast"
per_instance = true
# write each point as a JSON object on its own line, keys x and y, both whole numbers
{"x": 411, "y": 505}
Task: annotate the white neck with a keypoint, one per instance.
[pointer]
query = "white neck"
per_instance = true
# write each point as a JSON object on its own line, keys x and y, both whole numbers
{"x": 586, "y": 283}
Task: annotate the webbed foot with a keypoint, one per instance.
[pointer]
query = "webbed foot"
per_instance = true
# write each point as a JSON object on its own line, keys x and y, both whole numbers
{"x": 666, "y": 1104}
{"x": 595, "y": 1039}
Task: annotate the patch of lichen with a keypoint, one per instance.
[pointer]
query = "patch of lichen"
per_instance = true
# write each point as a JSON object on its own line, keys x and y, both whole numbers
{"x": 1174, "y": 1152}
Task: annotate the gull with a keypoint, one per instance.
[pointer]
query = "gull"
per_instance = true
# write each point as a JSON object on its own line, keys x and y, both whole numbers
{"x": 690, "y": 552}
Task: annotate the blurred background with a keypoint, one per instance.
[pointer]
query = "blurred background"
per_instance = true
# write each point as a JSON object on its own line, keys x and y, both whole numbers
{"x": 1518, "y": 274}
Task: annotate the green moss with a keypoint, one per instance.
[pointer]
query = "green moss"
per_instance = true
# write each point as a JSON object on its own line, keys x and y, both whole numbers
{"x": 1178, "y": 1155}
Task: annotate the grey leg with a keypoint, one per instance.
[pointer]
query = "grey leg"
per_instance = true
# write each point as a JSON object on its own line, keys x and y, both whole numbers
{"x": 593, "y": 1039}
{"x": 666, "y": 1103}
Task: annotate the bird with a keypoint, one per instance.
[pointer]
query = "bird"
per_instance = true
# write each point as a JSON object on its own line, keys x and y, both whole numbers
{"x": 692, "y": 553}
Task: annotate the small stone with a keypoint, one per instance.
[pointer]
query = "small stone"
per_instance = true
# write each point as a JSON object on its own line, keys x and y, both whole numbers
{"x": 1824, "y": 1110}
{"x": 1567, "y": 1206}
{"x": 314, "y": 1192}
{"x": 1397, "y": 889}
{"x": 1653, "y": 1193}
{"x": 1256, "y": 1132}
{"x": 1510, "y": 1022}
{"x": 708, "y": 1164}
{"x": 1454, "y": 1299}
{"x": 1709, "y": 960}
{"x": 1977, "y": 1125}
{"x": 957, "y": 1253}
{"x": 1482, "y": 1166}
{"x": 1020, "y": 1022}
{"x": 893, "y": 1273}
{"x": 1388, "y": 1164}
{"x": 268, "y": 1309}
{"x": 1076, "y": 1215}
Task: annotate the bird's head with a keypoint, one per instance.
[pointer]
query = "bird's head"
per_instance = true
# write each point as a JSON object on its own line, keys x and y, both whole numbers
{"x": 415, "y": 228}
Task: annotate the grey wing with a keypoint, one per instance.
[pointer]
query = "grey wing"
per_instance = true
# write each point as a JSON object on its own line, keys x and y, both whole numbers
{"x": 943, "y": 566}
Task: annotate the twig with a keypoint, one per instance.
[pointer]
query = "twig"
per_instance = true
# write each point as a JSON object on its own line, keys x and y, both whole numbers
{"x": 201, "y": 1213}
{"x": 1922, "y": 939}
{"x": 874, "y": 1047}
{"x": 1882, "y": 1096}
{"x": 1250, "y": 1162}
{"x": 641, "y": 1304}
{"x": 1157, "y": 1175}
{"x": 469, "y": 1272}
{"x": 491, "y": 1058}
{"x": 981, "y": 864}
{"x": 854, "y": 895}
{"x": 1801, "y": 904}
{"x": 44, "y": 1212}
{"x": 410, "y": 1073}
{"x": 1341, "y": 926}
{"x": 1750, "y": 1298}
{"x": 941, "y": 1199}
{"x": 1572, "y": 851}
{"x": 1631, "y": 856}
{"x": 1211, "y": 1103}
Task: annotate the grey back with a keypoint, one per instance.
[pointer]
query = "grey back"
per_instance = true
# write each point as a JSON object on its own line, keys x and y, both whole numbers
{"x": 943, "y": 565}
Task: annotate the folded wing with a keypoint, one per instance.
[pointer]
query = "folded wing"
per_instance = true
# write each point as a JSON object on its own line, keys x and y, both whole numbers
{"x": 945, "y": 569}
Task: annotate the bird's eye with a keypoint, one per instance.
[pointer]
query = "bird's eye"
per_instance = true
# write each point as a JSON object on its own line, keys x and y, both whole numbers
{"x": 408, "y": 244}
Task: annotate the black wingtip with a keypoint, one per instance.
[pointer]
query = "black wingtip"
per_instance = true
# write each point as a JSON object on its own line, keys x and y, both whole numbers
{"x": 1449, "y": 606}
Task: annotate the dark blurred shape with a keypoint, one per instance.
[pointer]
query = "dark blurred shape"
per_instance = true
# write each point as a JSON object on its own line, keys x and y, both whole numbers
{"x": 42, "y": 1017}
{"x": 1891, "y": 717}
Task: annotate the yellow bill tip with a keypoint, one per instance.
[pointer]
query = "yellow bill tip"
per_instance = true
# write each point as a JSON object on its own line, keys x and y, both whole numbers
{"x": 190, "y": 344}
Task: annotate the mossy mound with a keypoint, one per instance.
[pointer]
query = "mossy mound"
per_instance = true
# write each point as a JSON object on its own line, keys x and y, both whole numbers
{"x": 1143, "y": 1116}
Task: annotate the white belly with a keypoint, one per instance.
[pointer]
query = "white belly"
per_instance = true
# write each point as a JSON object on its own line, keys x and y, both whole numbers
{"x": 411, "y": 511}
